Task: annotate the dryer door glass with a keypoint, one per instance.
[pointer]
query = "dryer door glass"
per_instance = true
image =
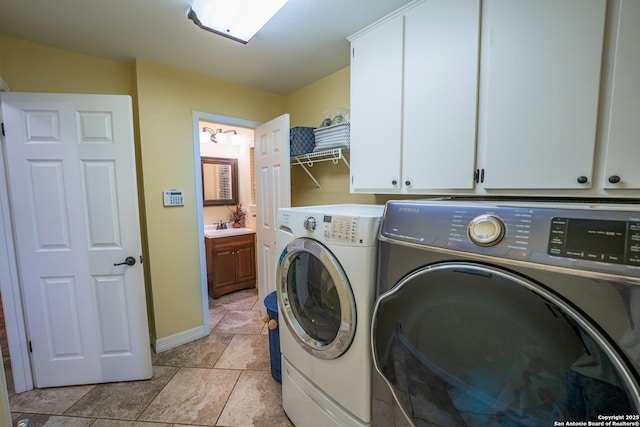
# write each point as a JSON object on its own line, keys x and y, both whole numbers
{"x": 316, "y": 299}
{"x": 462, "y": 344}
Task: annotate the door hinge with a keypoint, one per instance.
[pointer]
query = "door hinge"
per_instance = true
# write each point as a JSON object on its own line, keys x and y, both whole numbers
{"x": 3, "y": 129}
{"x": 141, "y": 259}
{"x": 30, "y": 347}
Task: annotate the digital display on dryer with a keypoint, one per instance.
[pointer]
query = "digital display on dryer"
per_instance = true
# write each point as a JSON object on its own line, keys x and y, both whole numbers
{"x": 588, "y": 239}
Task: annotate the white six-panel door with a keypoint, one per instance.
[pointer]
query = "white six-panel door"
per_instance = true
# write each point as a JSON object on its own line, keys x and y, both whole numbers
{"x": 73, "y": 194}
{"x": 273, "y": 185}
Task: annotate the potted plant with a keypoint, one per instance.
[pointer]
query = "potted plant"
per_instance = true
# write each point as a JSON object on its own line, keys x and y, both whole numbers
{"x": 238, "y": 215}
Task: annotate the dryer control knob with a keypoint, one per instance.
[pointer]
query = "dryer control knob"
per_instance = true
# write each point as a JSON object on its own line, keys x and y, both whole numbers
{"x": 310, "y": 224}
{"x": 486, "y": 230}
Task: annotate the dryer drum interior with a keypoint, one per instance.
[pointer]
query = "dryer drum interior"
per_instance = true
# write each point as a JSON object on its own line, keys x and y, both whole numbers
{"x": 486, "y": 347}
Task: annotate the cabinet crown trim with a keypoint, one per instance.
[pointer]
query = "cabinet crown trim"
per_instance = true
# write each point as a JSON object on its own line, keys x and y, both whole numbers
{"x": 395, "y": 13}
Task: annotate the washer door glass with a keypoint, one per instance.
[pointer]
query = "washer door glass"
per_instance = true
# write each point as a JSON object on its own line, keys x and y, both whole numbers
{"x": 462, "y": 344}
{"x": 316, "y": 299}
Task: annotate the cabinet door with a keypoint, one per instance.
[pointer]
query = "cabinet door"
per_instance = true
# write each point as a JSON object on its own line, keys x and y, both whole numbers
{"x": 245, "y": 263}
{"x": 539, "y": 87}
{"x": 224, "y": 265}
{"x": 376, "y": 106}
{"x": 623, "y": 139}
{"x": 440, "y": 94}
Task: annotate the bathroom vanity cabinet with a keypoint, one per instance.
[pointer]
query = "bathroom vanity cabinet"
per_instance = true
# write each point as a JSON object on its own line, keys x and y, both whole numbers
{"x": 231, "y": 263}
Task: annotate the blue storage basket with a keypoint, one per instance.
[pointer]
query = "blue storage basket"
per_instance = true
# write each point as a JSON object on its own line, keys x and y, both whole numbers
{"x": 271, "y": 304}
{"x": 302, "y": 140}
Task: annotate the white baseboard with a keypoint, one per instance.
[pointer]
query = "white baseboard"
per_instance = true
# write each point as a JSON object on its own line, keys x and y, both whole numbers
{"x": 166, "y": 343}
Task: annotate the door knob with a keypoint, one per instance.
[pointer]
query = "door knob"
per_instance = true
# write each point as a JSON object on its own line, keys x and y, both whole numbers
{"x": 128, "y": 261}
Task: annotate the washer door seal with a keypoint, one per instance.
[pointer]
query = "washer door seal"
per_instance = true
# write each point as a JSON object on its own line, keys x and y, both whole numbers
{"x": 316, "y": 299}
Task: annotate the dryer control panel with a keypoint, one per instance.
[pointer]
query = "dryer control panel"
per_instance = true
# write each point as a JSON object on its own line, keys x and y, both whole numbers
{"x": 609, "y": 241}
{"x": 603, "y": 238}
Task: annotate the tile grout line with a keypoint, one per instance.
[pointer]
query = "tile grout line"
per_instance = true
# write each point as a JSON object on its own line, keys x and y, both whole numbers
{"x": 245, "y": 327}
{"x": 157, "y": 394}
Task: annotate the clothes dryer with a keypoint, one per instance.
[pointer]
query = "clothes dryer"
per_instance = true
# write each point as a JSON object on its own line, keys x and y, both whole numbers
{"x": 494, "y": 313}
{"x": 326, "y": 289}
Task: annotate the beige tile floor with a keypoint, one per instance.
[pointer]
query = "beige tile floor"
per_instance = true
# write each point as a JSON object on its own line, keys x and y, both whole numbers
{"x": 220, "y": 380}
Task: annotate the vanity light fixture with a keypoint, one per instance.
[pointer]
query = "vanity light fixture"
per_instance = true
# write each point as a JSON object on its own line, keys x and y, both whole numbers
{"x": 238, "y": 20}
{"x": 221, "y": 135}
{"x": 217, "y": 136}
{"x": 208, "y": 135}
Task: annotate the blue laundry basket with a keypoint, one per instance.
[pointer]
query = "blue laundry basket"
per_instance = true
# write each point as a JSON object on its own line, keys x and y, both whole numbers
{"x": 271, "y": 304}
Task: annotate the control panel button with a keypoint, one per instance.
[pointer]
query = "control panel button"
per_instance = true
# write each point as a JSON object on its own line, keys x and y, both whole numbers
{"x": 486, "y": 230}
{"x": 342, "y": 228}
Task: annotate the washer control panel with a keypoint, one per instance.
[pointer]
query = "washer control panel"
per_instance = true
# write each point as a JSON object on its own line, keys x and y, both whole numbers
{"x": 603, "y": 238}
{"x": 339, "y": 225}
{"x": 342, "y": 228}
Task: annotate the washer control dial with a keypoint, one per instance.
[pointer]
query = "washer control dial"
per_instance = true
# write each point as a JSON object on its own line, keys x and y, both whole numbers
{"x": 310, "y": 224}
{"x": 486, "y": 230}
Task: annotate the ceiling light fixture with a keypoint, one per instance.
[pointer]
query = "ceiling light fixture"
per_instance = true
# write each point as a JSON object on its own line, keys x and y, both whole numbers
{"x": 238, "y": 20}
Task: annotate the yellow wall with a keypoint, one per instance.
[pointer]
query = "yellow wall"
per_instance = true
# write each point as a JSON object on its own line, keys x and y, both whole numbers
{"x": 164, "y": 149}
{"x": 306, "y": 107}
{"x": 30, "y": 67}
{"x": 166, "y": 99}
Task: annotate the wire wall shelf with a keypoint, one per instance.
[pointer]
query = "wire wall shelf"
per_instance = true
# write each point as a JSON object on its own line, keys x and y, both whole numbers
{"x": 307, "y": 160}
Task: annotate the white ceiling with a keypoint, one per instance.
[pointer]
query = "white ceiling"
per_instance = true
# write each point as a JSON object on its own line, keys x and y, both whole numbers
{"x": 304, "y": 42}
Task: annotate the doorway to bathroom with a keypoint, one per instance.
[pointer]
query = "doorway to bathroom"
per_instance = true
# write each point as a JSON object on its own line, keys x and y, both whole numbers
{"x": 262, "y": 151}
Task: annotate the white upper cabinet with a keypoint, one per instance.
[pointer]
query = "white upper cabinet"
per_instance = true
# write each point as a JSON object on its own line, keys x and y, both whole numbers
{"x": 376, "y": 105}
{"x": 413, "y": 99}
{"x": 622, "y": 170}
{"x": 440, "y": 95}
{"x": 539, "y": 91}
{"x": 498, "y": 97}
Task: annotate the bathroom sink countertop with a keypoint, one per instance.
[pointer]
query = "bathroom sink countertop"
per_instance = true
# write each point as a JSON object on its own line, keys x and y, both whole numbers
{"x": 211, "y": 232}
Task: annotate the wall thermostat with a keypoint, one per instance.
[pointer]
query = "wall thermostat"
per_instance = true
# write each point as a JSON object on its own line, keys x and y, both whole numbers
{"x": 173, "y": 197}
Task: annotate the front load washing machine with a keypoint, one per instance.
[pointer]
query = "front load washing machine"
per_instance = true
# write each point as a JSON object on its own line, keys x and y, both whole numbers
{"x": 494, "y": 313}
{"x": 326, "y": 289}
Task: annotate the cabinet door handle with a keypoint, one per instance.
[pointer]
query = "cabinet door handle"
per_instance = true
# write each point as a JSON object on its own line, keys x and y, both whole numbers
{"x": 407, "y": 183}
{"x": 582, "y": 179}
{"x": 394, "y": 182}
{"x": 614, "y": 179}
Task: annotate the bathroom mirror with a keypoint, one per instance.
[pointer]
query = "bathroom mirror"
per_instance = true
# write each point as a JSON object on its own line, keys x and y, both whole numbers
{"x": 219, "y": 181}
